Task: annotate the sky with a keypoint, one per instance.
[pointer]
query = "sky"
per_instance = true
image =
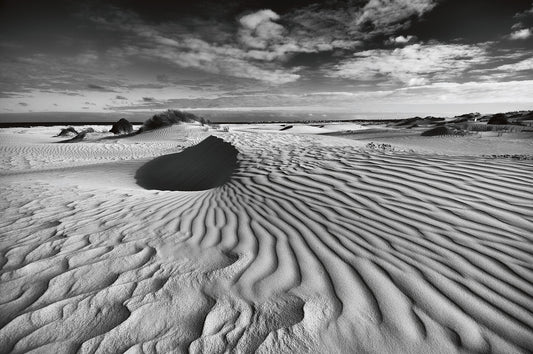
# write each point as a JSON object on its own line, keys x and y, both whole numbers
{"x": 351, "y": 56}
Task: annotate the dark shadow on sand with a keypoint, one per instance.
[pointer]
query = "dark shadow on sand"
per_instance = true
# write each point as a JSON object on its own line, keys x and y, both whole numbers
{"x": 206, "y": 165}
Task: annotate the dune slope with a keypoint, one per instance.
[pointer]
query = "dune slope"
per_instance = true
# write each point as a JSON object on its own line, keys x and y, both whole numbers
{"x": 313, "y": 245}
{"x": 209, "y": 164}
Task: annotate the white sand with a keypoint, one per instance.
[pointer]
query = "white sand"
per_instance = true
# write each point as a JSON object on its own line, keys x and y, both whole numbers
{"x": 315, "y": 245}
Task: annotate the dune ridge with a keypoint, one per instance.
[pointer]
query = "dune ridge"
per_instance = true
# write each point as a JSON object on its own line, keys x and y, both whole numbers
{"x": 313, "y": 245}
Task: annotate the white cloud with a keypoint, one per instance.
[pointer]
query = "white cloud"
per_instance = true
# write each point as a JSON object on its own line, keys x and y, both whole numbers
{"x": 258, "y": 29}
{"x": 521, "y": 34}
{"x": 413, "y": 65}
{"x": 400, "y": 39}
{"x": 468, "y": 92}
{"x": 258, "y": 43}
{"x": 523, "y": 65}
{"x": 417, "y": 81}
{"x": 384, "y": 13}
{"x": 254, "y": 20}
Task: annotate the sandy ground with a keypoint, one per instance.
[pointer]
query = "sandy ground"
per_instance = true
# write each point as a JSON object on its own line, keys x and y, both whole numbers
{"x": 315, "y": 244}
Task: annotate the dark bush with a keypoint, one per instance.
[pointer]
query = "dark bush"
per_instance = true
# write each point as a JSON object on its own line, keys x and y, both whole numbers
{"x": 68, "y": 131}
{"x": 499, "y": 118}
{"x": 123, "y": 126}
{"x": 168, "y": 118}
{"x": 442, "y": 130}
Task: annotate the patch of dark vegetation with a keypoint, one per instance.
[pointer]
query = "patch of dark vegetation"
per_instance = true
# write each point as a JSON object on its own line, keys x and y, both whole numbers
{"x": 437, "y": 131}
{"x": 382, "y": 147}
{"x": 417, "y": 121}
{"x": 68, "y": 131}
{"x": 123, "y": 126}
{"x": 499, "y": 118}
{"x": 81, "y": 136}
{"x": 509, "y": 156}
{"x": 468, "y": 117}
{"x": 206, "y": 165}
{"x": 168, "y": 118}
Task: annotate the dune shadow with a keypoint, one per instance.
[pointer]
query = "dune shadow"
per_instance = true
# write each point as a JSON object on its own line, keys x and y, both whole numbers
{"x": 206, "y": 165}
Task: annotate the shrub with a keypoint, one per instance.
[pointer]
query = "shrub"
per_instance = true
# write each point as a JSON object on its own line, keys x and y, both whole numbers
{"x": 168, "y": 118}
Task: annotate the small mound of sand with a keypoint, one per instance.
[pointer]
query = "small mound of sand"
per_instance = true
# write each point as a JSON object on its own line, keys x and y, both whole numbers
{"x": 206, "y": 165}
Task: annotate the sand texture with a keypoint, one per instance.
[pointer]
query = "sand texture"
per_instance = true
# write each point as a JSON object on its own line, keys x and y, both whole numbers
{"x": 301, "y": 244}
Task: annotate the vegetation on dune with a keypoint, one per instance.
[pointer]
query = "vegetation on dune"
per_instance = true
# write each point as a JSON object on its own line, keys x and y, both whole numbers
{"x": 123, "y": 126}
{"x": 170, "y": 117}
{"x": 67, "y": 131}
{"x": 499, "y": 118}
{"x": 442, "y": 130}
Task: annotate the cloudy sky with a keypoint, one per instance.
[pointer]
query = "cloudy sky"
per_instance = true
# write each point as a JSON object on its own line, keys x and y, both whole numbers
{"x": 360, "y": 55}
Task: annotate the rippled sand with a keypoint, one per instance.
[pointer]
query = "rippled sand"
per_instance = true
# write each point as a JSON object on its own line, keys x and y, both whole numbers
{"x": 315, "y": 244}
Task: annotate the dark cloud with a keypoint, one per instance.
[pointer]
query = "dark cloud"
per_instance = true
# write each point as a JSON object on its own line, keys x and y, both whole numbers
{"x": 97, "y": 87}
{"x": 470, "y": 21}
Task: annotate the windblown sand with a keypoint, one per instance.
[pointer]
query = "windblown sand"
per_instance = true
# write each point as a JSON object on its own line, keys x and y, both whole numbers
{"x": 314, "y": 244}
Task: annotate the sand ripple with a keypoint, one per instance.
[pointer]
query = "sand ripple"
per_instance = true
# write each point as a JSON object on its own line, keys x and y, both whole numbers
{"x": 310, "y": 247}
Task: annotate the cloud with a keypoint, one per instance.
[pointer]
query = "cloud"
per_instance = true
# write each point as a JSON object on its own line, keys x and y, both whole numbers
{"x": 413, "y": 65}
{"x": 523, "y": 65}
{"x": 521, "y": 34}
{"x": 468, "y": 92}
{"x": 96, "y": 87}
{"x": 148, "y": 99}
{"x": 391, "y": 13}
{"x": 258, "y": 29}
{"x": 400, "y": 39}
{"x": 23, "y": 104}
{"x": 417, "y": 81}
{"x": 118, "y": 97}
{"x": 265, "y": 40}
{"x": 350, "y": 22}
{"x": 522, "y": 28}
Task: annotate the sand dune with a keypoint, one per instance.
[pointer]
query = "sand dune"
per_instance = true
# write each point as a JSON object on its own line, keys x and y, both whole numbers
{"x": 207, "y": 165}
{"x": 313, "y": 245}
